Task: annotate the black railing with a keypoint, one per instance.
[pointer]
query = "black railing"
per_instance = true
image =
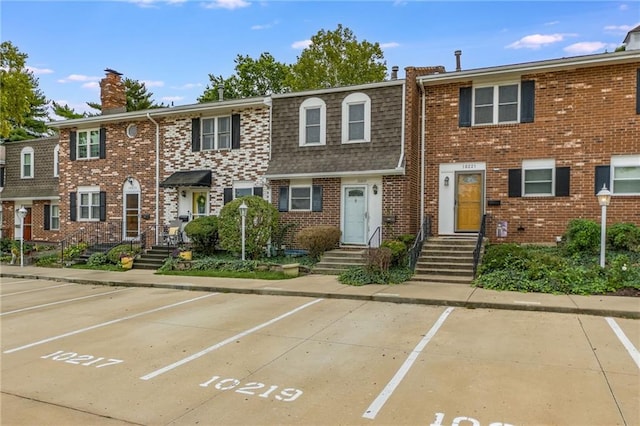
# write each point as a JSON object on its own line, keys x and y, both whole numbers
{"x": 375, "y": 238}
{"x": 99, "y": 236}
{"x": 478, "y": 250}
{"x": 416, "y": 249}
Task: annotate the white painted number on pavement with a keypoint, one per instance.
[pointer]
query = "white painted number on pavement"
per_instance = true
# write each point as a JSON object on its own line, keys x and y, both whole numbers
{"x": 84, "y": 360}
{"x": 253, "y": 388}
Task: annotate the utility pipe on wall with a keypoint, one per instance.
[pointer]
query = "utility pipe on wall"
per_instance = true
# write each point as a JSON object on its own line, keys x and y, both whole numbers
{"x": 157, "y": 177}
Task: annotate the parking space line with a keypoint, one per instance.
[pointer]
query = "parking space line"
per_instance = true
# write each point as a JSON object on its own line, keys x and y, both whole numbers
{"x": 35, "y": 289}
{"x": 93, "y": 327}
{"x": 377, "y": 404}
{"x": 62, "y": 301}
{"x": 635, "y": 355}
{"x": 226, "y": 341}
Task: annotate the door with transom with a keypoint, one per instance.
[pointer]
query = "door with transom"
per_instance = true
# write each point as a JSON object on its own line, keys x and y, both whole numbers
{"x": 355, "y": 215}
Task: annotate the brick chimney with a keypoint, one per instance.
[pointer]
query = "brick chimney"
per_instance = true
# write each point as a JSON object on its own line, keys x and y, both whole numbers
{"x": 113, "y": 97}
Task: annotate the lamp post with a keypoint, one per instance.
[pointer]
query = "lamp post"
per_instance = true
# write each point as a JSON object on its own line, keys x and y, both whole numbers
{"x": 22, "y": 213}
{"x": 604, "y": 198}
{"x": 243, "y": 214}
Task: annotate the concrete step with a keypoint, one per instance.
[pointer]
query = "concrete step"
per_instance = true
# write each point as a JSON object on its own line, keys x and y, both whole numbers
{"x": 468, "y": 272}
{"x": 444, "y": 279}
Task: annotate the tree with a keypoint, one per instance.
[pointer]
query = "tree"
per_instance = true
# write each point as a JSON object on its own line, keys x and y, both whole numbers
{"x": 336, "y": 58}
{"x": 23, "y": 112}
{"x": 138, "y": 97}
{"x": 254, "y": 77}
{"x": 65, "y": 111}
{"x": 261, "y": 223}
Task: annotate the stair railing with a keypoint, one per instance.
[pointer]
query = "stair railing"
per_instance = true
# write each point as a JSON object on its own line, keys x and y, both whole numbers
{"x": 101, "y": 235}
{"x": 416, "y": 249}
{"x": 477, "y": 250}
{"x": 376, "y": 238}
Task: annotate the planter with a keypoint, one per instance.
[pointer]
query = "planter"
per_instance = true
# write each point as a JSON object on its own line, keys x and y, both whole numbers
{"x": 186, "y": 255}
{"x": 291, "y": 269}
{"x": 126, "y": 262}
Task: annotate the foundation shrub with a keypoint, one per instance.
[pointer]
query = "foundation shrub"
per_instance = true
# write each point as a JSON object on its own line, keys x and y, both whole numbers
{"x": 203, "y": 234}
{"x": 318, "y": 239}
{"x": 582, "y": 235}
{"x": 398, "y": 251}
{"x": 115, "y": 254}
{"x": 624, "y": 236}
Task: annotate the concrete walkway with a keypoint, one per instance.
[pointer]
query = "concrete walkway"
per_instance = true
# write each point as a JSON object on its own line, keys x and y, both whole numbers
{"x": 328, "y": 286}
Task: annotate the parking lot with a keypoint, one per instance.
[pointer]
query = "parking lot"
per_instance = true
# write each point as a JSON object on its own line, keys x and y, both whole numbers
{"x": 80, "y": 354}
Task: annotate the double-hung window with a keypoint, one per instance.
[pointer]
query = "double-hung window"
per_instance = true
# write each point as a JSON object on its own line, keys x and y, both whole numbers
{"x": 56, "y": 161}
{"x": 89, "y": 205}
{"x": 538, "y": 177}
{"x": 312, "y": 122}
{"x": 55, "y": 217}
{"x": 88, "y": 144}
{"x": 625, "y": 174}
{"x": 496, "y": 104}
{"x": 301, "y": 198}
{"x": 356, "y": 118}
{"x": 216, "y": 133}
{"x": 26, "y": 163}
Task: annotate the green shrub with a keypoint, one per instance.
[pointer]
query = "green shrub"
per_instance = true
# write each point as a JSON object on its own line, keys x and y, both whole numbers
{"x": 624, "y": 236}
{"x": 98, "y": 259}
{"x": 407, "y": 239}
{"x": 318, "y": 239}
{"x": 117, "y": 252}
{"x": 48, "y": 260}
{"x": 359, "y": 275}
{"x": 5, "y": 245}
{"x": 398, "y": 251}
{"x": 74, "y": 251}
{"x": 503, "y": 256}
{"x": 203, "y": 234}
{"x": 261, "y": 222}
{"x": 379, "y": 260}
{"x": 582, "y": 235}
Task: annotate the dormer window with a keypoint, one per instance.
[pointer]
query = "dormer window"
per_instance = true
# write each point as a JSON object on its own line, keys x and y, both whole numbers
{"x": 26, "y": 163}
{"x": 356, "y": 118}
{"x": 313, "y": 119}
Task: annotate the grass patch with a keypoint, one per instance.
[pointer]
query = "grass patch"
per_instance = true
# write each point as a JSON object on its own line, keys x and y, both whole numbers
{"x": 106, "y": 267}
{"x": 257, "y": 275}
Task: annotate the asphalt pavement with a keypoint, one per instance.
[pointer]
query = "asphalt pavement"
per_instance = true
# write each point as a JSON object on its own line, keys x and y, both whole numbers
{"x": 328, "y": 286}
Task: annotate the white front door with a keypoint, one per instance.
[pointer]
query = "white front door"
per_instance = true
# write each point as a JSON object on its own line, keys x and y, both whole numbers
{"x": 355, "y": 215}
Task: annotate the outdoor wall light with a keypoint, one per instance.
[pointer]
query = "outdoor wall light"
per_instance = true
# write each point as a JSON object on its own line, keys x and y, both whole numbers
{"x": 184, "y": 193}
{"x": 375, "y": 189}
{"x": 446, "y": 181}
{"x": 130, "y": 180}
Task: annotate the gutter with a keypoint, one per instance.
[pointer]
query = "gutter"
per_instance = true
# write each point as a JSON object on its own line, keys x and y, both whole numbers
{"x": 402, "y": 141}
{"x": 397, "y": 171}
{"x": 422, "y": 149}
{"x": 157, "y": 189}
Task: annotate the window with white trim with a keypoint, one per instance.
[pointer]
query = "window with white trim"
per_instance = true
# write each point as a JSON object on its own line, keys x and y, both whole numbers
{"x": 625, "y": 175}
{"x": 89, "y": 204}
{"x": 356, "y": 118}
{"x": 56, "y": 161}
{"x": 55, "y": 217}
{"x": 216, "y": 133}
{"x": 313, "y": 122}
{"x": 538, "y": 177}
{"x": 496, "y": 104}
{"x": 88, "y": 144}
{"x": 26, "y": 163}
{"x": 300, "y": 198}
{"x": 243, "y": 189}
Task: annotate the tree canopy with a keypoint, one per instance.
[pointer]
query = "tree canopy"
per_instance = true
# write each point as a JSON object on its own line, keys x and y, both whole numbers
{"x": 23, "y": 107}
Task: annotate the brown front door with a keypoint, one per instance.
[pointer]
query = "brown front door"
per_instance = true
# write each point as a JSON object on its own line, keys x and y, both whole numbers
{"x": 26, "y": 232}
{"x": 468, "y": 202}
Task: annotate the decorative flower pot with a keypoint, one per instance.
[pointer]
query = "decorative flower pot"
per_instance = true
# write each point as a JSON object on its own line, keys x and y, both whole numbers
{"x": 127, "y": 262}
{"x": 291, "y": 270}
{"x": 186, "y": 255}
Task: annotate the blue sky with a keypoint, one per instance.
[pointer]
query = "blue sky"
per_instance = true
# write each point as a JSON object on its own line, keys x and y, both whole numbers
{"x": 173, "y": 45}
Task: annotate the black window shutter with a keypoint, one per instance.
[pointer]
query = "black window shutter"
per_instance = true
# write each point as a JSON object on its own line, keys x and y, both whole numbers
{"x": 638, "y": 92}
{"x": 228, "y": 195}
{"x": 316, "y": 198}
{"x": 103, "y": 142}
{"x": 515, "y": 182}
{"x": 257, "y": 190}
{"x": 527, "y": 99}
{"x": 603, "y": 177}
{"x": 72, "y": 145}
{"x": 283, "y": 199}
{"x": 195, "y": 134}
{"x": 563, "y": 181}
{"x": 47, "y": 217}
{"x": 464, "y": 115}
{"x": 73, "y": 207}
{"x": 103, "y": 206}
{"x": 1, "y": 176}
{"x": 235, "y": 131}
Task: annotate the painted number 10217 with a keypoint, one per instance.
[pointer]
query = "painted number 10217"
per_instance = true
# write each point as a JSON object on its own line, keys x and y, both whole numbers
{"x": 84, "y": 360}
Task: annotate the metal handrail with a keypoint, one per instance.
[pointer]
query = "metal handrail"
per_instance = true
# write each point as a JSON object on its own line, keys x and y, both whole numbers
{"x": 94, "y": 234}
{"x": 421, "y": 237}
{"x": 478, "y": 248}
{"x": 376, "y": 233}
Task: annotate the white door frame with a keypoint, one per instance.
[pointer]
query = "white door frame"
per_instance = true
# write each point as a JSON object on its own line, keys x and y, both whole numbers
{"x": 365, "y": 203}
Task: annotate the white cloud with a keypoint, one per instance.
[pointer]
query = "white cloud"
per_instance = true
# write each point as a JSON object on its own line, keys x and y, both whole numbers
{"x": 150, "y": 83}
{"x": 93, "y": 85}
{"x": 302, "y": 44}
{"x": 265, "y": 26}
{"x": 187, "y": 86}
{"x": 548, "y": 24}
{"x": 172, "y": 98}
{"x": 536, "y": 41}
{"x": 78, "y": 78}
{"x": 38, "y": 71}
{"x": 153, "y": 3}
{"x": 586, "y": 47}
{"x": 624, "y": 7}
{"x": 619, "y": 29}
{"x": 389, "y": 45}
{"x": 225, "y": 4}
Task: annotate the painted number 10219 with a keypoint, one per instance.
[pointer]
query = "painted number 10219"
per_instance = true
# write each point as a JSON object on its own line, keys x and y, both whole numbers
{"x": 254, "y": 388}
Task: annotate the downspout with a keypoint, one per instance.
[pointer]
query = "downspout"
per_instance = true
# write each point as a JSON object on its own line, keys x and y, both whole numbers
{"x": 422, "y": 151}
{"x": 157, "y": 177}
{"x": 404, "y": 97}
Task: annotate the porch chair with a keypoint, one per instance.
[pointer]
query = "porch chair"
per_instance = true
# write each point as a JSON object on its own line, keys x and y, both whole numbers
{"x": 174, "y": 235}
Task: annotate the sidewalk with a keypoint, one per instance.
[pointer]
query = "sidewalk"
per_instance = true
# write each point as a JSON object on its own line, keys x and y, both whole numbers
{"x": 328, "y": 286}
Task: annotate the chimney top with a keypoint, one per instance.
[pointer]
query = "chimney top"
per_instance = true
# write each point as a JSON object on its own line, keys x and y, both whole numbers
{"x": 113, "y": 96}
{"x": 110, "y": 71}
{"x": 458, "y": 53}
{"x": 394, "y": 72}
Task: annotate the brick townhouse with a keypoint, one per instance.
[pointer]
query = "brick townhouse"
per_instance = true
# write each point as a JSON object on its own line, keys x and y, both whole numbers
{"x": 528, "y": 145}
{"x": 29, "y": 178}
{"x": 142, "y": 169}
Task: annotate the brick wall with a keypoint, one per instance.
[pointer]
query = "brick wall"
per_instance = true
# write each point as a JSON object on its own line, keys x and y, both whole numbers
{"x": 582, "y": 118}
